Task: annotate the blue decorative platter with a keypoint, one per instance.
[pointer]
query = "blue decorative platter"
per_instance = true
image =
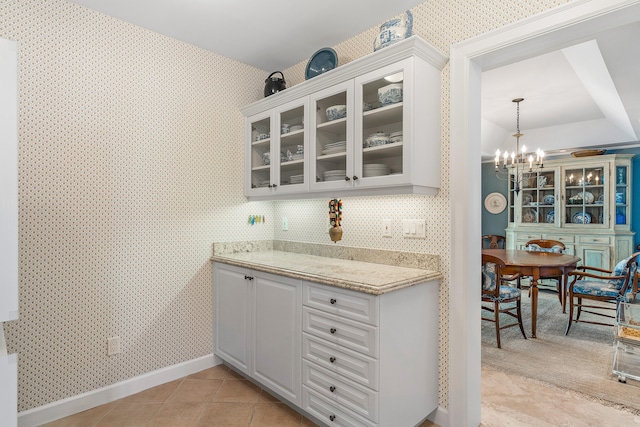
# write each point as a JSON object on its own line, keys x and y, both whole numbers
{"x": 580, "y": 218}
{"x": 322, "y": 61}
{"x": 549, "y": 199}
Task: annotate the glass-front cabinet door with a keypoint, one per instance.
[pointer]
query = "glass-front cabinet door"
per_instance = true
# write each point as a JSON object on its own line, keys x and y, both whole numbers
{"x": 258, "y": 154}
{"x": 622, "y": 196}
{"x": 538, "y": 194}
{"x": 586, "y": 199}
{"x": 331, "y": 138}
{"x": 382, "y": 135}
{"x": 290, "y": 146}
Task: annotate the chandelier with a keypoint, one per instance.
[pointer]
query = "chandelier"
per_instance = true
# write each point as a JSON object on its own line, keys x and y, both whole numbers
{"x": 517, "y": 165}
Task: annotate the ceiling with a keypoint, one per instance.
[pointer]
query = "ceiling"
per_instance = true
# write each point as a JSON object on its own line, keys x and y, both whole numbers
{"x": 270, "y": 35}
{"x": 582, "y": 96}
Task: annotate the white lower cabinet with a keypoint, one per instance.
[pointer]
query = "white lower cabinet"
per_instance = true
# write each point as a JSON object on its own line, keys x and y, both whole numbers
{"x": 257, "y": 318}
{"x": 345, "y": 358}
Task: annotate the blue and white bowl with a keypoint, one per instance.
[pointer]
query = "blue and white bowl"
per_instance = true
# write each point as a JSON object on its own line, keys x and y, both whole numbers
{"x": 551, "y": 217}
{"x": 375, "y": 139}
{"x": 549, "y": 199}
{"x": 390, "y": 94}
{"x": 336, "y": 112}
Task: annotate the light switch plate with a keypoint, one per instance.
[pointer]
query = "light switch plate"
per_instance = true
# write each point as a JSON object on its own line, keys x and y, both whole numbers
{"x": 414, "y": 228}
{"x": 285, "y": 223}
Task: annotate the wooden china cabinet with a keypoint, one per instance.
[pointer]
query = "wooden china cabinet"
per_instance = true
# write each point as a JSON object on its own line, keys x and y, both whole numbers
{"x": 584, "y": 202}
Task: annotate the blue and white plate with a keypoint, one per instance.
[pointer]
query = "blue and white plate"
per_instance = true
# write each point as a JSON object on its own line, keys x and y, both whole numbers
{"x": 549, "y": 199}
{"x": 322, "y": 61}
{"x": 551, "y": 217}
{"x": 581, "y": 218}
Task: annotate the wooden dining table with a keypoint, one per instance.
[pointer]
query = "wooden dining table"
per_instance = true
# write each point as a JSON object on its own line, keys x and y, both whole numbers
{"x": 537, "y": 265}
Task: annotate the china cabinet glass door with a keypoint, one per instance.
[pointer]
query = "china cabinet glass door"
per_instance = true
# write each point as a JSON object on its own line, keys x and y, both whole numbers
{"x": 291, "y": 144}
{"x": 586, "y": 197}
{"x": 381, "y": 137}
{"x": 331, "y": 138}
{"x": 259, "y": 155}
{"x": 622, "y": 195}
{"x": 538, "y": 197}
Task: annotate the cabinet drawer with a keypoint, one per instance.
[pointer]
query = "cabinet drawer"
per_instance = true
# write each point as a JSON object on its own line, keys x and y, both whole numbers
{"x": 352, "y": 305}
{"x": 348, "y": 333}
{"x": 561, "y": 238}
{"x": 528, "y": 236}
{"x": 594, "y": 239}
{"x": 347, "y": 394}
{"x": 330, "y": 413}
{"x": 346, "y": 363}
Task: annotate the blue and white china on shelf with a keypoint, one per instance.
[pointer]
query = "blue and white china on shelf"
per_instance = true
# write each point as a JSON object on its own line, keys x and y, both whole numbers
{"x": 621, "y": 218}
{"x": 529, "y": 215}
{"x": 549, "y": 199}
{"x": 285, "y": 128}
{"x": 366, "y": 106}
{"x": 551, "y": 217}
{"x": 581, "y": 218}
{"x": 390, "y": 94}
{"x": 262, "y": 136}
{"x": 375, "y": 139}
{"x": 394, "y": 30}
{"x": 600, "y": 200}
{"x": 266, "y": 160}
{"x": 322, "y": 61}
{"x": 295, "y": 128}
{"x": 336, "y": 112}
{"x": 619, "y": 198}
{"x": 542, "y": 181}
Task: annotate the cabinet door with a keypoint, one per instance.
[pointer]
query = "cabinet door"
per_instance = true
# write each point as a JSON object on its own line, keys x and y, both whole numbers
{"x": 290, "y": 142}
{"x": 258, "y": 180}
{"x": 331, "y": 138}
{"x": 232, "y": 315}
{"x": 390, "y": 91}
{"x": 586, "y": 196}
{"x": 278, "y": 334}
{"x": 622, "y": 197}
{"x": 595, "y": 256}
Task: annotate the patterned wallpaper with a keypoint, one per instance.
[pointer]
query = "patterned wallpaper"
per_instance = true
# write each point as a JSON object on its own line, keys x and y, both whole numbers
{"x": 130, "y": 166}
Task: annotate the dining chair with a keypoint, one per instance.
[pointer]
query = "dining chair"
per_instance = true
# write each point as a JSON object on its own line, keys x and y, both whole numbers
{"x": 496, "y": 291}
{"x": 605, "y": 286}
{"x": 547, "y": 245}
{"x": 491, "y": 241}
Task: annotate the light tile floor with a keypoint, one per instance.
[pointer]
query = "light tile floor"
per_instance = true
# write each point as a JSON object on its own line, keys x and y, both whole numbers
{"x": 219, "y": 397}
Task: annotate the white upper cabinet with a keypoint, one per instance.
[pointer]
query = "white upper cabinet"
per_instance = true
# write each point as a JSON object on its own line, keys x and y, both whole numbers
{"x": 387, "y": 141}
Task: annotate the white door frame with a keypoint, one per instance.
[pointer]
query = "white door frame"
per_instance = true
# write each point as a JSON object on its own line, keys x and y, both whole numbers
{"x": 549, "y": 31}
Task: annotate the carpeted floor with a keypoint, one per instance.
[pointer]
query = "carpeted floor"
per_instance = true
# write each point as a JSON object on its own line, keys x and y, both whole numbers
{"x": 581, "y": 361}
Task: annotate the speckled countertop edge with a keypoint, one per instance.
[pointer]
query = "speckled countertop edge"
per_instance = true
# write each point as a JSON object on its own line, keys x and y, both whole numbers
{"x": 349, "y": 273}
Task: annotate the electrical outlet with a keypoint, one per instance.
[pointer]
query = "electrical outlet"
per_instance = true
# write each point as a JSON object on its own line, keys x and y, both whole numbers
{"x": 285, "y": 223}
{"x": 386, "y": 228}
{"x": 113, "y": 346}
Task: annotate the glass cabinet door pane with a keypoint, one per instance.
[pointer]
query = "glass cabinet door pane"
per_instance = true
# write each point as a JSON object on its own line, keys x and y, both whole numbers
{"x": 331, "y": 115}
{"x": 585, "y": 198}
{"x": 381, "y": 149}
{"x": 292, "y": 147}
{"x": 261, "y": 153}
{"x": 622, "y": 195}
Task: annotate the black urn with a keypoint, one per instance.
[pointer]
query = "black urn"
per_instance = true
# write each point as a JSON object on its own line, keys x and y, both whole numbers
{"x": 274, "y": 84}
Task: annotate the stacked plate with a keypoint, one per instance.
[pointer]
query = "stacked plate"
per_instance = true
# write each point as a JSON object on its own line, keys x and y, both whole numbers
{"x": 376, "y": 169}
{"x": 335, "y": 147}
{"x": 395, "y": 137}
{"x": 262, "y": 184}
{"x": 296, "y": 179}
{"x": 334, "y": 175}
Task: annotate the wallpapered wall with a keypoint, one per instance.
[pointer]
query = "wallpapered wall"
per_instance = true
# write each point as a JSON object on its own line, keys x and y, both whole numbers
{"x": 130, "y": 166}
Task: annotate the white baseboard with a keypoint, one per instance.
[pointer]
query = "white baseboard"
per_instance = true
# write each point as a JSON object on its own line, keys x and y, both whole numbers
{"x": 439, "y": 416}
{"x": 72, "y": 405}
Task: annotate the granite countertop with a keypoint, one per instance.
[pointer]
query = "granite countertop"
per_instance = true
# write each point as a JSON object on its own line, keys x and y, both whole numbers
{"x": 368, "y": 277}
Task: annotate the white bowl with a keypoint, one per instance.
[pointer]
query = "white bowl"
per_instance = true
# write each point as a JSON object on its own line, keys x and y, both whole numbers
{"x": 375, "y": 139}
{"x": 336, "y": 112}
